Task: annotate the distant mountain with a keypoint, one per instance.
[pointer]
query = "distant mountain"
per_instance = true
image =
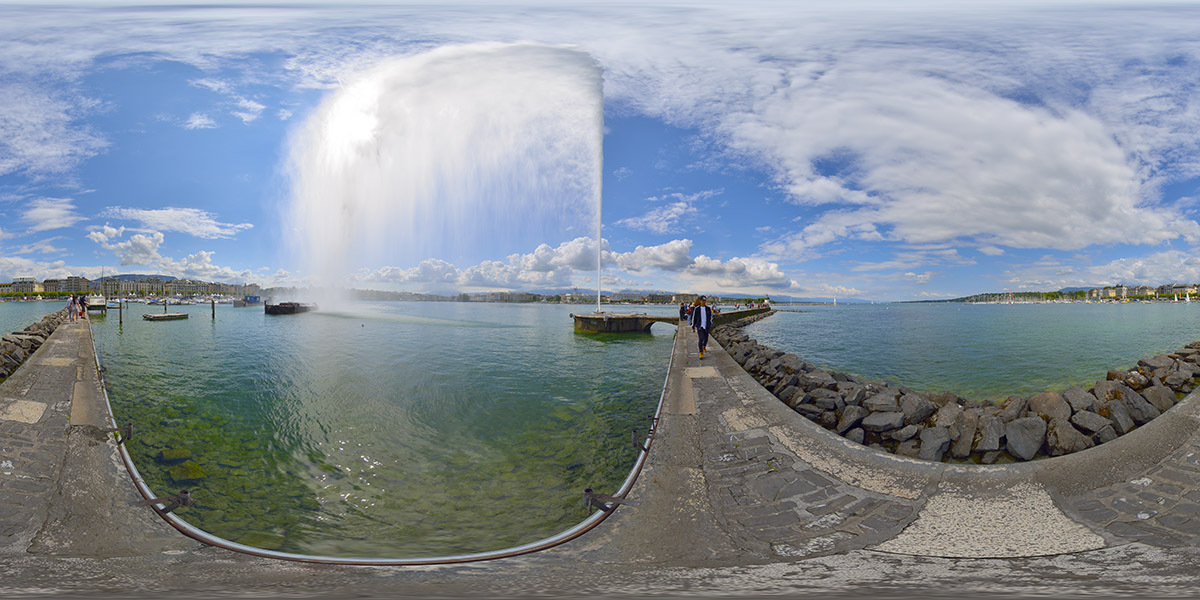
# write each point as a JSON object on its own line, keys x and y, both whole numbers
{"x": 1079, "y": 289}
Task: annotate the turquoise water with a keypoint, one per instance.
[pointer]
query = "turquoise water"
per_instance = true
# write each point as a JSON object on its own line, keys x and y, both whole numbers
{"x": 981, "y": 351}
{"x": 15, "y": 316}
{"x": 387, "y": 429}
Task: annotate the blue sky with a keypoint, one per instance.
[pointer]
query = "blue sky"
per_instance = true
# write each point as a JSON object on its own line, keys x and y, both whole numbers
{"x": 884, "y": 151}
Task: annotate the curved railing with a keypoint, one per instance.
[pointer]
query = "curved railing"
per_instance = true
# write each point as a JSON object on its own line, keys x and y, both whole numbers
{"x": 555, "y": 540}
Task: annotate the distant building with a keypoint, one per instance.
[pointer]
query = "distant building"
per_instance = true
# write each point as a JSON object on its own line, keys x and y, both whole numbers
{"x": 660, "y": 298}
{"x": 25, "y": 285}
{"x": 627, "y": 297}
{"x": 684, "y": 298}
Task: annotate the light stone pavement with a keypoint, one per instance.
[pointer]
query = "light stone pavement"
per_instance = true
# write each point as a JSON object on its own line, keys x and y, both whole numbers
{"x": 739, "y": 495}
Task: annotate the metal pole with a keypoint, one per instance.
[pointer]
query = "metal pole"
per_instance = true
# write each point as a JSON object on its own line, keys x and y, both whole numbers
{"x": 120, "y": 312}
{"x": 214, "y": 308}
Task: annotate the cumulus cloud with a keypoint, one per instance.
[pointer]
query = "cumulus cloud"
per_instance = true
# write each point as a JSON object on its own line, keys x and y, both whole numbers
{"x": 672, "y": 256}
{"x": 139, "y": 249}
{"x": 740, "y": 272}
{"x": 44, "y": 214}
{"x": 105, "y": 233}
{"x": 1155, "y": 268}
{"x": 191, "y": 221}
{"x": 200, "y": 266}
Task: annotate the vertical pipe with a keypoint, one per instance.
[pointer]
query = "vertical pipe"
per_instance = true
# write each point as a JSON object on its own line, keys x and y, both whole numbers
{"x": 120, "y": 312}
{"x": 214, "y": 308}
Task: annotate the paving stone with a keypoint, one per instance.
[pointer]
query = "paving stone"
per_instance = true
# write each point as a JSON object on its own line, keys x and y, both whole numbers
{"x": 832, "y": 505}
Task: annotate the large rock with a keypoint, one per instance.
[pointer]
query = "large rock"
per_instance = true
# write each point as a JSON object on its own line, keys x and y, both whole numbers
{"x": 852, "y": 393}
{"x": 1160, "y": 396}
{"x": 883, "y": 421}
{"x": 1177, "y": 380}
{"x": 851, "y": 417}
{"x": 826, "y": 399}
{"x": 910, "y": 448}
{"x": 1013, "y": 408}
{"x": 904, "y": 433}
{"x": 966, "y": 439}
{"x": 856, "y": 435}
{"x": 1136, "y": 380}
{"x": 1025, "y": 436}
{"x": 1079, "y": 399}
{"x": 916, "y": 409}
{"x": 1050, "y": 405}
{"x": 1106, "y": 435}
{"x": 882, "y": 402}
{"x": 948, "y": 414}
{"x": 1116, "y": 412}
{"x": 1063, "y": 438}
{"x": 934, "y": 443}
{"x": 1090, "y": 421}
{"x": 1159, "y": 361}
{"x": 991, "y": 429}
{"x": 1139, "y": 410}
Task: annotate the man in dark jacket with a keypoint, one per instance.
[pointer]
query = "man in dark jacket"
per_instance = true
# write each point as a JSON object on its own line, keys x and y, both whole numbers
{"x": 702, "y": 322}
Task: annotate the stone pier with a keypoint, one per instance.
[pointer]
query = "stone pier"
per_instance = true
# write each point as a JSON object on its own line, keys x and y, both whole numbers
{"x": 739, "y": 495}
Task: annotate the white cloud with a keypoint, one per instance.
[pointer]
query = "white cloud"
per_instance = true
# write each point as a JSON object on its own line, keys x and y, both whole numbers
{"x": 991, "y": 250}
{"x": 199, "y": 121}
{"x": 139, "y": 249}
{"x": 106, "y": 233}
{"x": 1155, "y": 269}
{"x": 738, "y": 273}
{"x": 200, "y": 266}
{"x": 248, "y": 110}
{"x": 40, "y": 247}
{"x": 44, "y": 214}
{"x": 41, "y": 128}
{"x": 672, "y": 256}
{"x": 668, "y": 218}
{"x": 191, "y": 221}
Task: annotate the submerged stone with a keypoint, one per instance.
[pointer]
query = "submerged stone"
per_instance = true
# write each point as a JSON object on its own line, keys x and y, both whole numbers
{"x": 188, "y": 470}
{"x": 173, "y": 455}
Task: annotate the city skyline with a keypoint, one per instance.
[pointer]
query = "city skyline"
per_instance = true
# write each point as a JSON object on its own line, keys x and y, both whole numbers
{"x": 819, "y": 150}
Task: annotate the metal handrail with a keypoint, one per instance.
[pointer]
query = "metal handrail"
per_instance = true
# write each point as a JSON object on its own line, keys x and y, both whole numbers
{"x": 205, "y": 537}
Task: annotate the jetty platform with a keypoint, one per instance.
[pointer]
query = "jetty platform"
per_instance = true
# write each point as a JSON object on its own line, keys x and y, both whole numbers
{"x": 739, "y": 495}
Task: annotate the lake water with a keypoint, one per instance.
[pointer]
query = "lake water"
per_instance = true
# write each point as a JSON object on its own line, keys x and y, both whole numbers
{"x": 395, "y": 429}
{"x": 15, "y": 316}
{"x": 420, "y": 429}
{"x": 986, "y": 351}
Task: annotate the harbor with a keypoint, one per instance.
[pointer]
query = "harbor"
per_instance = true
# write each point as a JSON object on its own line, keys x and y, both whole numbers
{"x": 772, "y": 502}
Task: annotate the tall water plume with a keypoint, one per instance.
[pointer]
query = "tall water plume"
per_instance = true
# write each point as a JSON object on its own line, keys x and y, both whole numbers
{"x": 464, "y": 153}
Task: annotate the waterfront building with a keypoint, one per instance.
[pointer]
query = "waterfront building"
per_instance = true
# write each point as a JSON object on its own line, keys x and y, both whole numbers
{"x": 627, "y": 297}
{"x": 25, "y": 285}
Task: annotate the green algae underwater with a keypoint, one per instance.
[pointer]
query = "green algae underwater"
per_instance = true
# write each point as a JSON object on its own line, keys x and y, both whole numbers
{"x": 386, "y": 430}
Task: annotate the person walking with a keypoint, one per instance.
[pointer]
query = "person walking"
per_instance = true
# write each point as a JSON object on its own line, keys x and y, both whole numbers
{"x": 682, "y": 311}
{"x": 71, "y": 308}
{"x": 702, "y": 322}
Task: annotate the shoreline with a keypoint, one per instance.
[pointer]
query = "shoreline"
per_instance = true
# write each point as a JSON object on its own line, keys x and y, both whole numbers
{"x": 947, "y": 427}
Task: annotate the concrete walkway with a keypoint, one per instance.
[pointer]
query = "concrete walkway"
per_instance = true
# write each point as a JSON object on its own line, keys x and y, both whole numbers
{"x": 740, "y": 495}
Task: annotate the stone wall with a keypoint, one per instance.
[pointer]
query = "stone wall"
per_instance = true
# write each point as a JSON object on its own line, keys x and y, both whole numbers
{"x": 17, "y": 346}
{"x": 944, "y": 426}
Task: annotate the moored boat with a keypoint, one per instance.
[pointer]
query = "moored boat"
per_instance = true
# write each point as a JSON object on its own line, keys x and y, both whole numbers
{"x": 289, "y": 308}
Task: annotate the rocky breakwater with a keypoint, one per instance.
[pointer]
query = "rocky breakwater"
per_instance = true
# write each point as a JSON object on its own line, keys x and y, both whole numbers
{"x": 17, "y": 346}
{"x": 944, "y": 426}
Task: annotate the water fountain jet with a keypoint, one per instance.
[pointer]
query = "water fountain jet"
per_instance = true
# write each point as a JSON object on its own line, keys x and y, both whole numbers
{"x": 461, "y": 154}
